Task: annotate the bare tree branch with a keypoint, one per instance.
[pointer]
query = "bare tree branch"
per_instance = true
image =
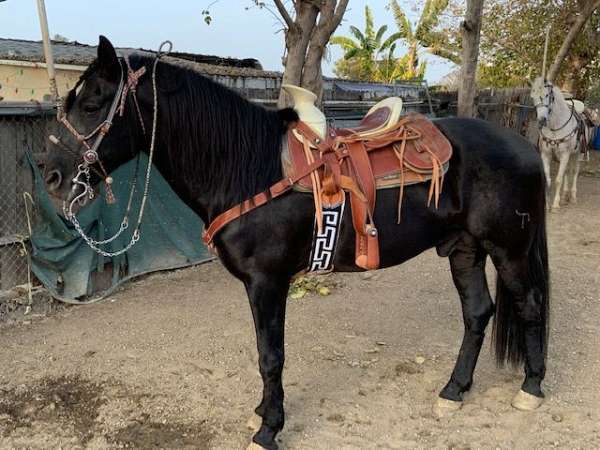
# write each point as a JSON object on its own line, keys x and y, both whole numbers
{"x": 284, "y": 13}
{"x": 339, "y": 13}
{"x": 586, "y": 12}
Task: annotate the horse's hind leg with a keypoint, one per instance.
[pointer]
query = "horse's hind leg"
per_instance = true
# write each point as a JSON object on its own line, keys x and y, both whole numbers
{"x": 268, "y": 300}
{"x": 566, "y": 186}
{"x": 467, "y": 263}
{"x": 576, "y": 166}
{"x": 520, "y": 328}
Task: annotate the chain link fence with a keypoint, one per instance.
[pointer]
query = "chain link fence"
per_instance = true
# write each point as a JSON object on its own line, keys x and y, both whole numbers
{"x": 23, "y": 128}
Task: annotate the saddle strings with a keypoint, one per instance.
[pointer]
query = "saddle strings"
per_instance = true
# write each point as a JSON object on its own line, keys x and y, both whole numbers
{"x": 317, "y": 190}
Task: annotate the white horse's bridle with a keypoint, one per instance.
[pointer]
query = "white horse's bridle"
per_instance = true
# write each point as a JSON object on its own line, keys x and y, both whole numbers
{"x": 547, "y": 101}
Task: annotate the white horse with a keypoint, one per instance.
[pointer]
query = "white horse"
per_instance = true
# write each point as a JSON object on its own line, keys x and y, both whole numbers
{"x": 561, "y": 129}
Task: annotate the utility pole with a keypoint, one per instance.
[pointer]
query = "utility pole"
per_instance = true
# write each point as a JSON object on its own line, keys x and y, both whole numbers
{"x": 48, "y": 51}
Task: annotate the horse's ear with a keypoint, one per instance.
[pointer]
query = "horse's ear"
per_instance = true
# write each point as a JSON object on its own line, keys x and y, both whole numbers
{"x": 289, "y": 118}
{"x": 108, "y": 63}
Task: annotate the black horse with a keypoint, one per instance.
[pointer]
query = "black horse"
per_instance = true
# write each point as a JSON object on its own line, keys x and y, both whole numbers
{"x": 217, "y": 149}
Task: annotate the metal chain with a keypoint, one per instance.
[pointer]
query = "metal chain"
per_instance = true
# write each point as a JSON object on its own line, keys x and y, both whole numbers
{"x": 93, "y": 244}
{"x": 135, "y": 237}
{"x": 88, "y": 190}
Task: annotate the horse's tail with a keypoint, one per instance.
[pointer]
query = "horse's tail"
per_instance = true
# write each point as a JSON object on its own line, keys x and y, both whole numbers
{"x": 509, "y": 328}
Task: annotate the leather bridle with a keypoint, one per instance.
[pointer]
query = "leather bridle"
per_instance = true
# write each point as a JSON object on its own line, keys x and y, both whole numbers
{"x": 127, "y": 85}
{"x": 550, "y": 97}
{"x": 90, "y": 156}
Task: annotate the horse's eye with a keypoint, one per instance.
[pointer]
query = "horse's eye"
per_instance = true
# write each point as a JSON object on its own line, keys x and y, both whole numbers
{"x": 91, "y": 107}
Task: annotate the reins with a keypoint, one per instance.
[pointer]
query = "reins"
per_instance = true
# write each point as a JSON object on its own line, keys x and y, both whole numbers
{"x": 91, "y": 158}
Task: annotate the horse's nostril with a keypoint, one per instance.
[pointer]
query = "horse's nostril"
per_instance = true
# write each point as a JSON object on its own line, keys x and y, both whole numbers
{"x": 53, "y": 180}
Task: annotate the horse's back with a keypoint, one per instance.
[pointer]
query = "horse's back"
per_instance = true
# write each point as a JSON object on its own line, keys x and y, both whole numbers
{"x": 499, "y": 178}
{"x": 494, "y": 147}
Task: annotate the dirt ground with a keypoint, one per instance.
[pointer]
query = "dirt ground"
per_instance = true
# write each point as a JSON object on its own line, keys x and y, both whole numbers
{"x": 170, "y": 362}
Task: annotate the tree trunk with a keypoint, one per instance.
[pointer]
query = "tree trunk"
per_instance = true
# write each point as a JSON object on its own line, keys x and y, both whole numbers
{"x": 306, "y": 41}
{"x": 297, "y": 38}
{"x": 574, "y": 82}
{"x": 329, "y": 19}
{"x": 586, "y": 12}
{"x": 312, "y": 76}
{"x": 471, "y": 32}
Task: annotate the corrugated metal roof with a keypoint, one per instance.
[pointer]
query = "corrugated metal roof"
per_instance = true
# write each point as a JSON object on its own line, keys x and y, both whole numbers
{"x": 75, "y": 53}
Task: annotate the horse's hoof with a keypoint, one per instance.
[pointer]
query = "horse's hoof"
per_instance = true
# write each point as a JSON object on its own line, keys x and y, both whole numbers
{"x": 524, "y": 401}
{"x": 555, "y": 209}
{"x": 254, "y": 446}
{"x": 444, "y": 407}
{"x": 254, "y": 422}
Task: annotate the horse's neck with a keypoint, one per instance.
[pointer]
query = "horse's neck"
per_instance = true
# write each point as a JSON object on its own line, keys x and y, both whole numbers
{"x": 210, "y": 175}
{"x": 561, "y": 111}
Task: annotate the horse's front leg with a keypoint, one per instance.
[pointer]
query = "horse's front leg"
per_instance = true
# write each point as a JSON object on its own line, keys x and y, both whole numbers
{"x": 546, "y": 158}
{"x": 267, "y": 295}
{"x": 562, "y": 167}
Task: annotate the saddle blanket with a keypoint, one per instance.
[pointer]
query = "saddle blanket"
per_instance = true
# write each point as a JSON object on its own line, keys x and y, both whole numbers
{"x": 325, "y": 241}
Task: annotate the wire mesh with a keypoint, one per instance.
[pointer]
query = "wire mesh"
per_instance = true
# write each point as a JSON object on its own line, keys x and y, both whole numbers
{"x": 21, "y": 130}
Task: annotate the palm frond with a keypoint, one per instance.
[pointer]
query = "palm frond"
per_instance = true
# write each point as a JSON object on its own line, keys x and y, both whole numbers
{"x": 430, "y": 17}
{"x": 391, "y": 40}
{"x": 421, "y": 70}
{"x": 437, "y": 43}
{"x": 369, "y": 23}
{"x": 345, "y": 42}
{"x": 402, "y": 22}
{"x": 357, "y": 34}
{"x": 445, "y": 53}
{"x": 380, "y": 34}
{"x": 353, "y": 52}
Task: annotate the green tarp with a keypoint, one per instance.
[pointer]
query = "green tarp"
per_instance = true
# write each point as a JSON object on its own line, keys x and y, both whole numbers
{"x": 72, "y": 271}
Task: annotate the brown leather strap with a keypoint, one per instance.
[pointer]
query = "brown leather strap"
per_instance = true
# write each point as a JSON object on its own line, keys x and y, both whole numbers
{"x": 260, "y": 199}
{"x": 323, "y": 145}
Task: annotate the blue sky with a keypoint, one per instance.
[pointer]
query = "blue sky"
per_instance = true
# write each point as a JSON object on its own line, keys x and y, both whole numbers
{"x": 235, "y": 31}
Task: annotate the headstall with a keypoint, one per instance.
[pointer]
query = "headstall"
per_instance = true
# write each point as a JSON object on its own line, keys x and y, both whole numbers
{"x": 127, "y": 85}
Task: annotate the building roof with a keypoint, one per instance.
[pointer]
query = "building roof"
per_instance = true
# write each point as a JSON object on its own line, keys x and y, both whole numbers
{"x": 75, "y": 53}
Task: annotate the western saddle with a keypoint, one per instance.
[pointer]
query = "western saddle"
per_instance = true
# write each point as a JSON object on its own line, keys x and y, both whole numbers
{"x": 386, "y": 150}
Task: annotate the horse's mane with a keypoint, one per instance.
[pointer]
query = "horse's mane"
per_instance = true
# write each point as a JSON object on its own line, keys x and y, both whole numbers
{"x": 218, "y": 142}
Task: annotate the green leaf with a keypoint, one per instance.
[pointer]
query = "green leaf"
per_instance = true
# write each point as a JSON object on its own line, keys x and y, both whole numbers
{"x": 345, "y": 42}
{"x": 298, "y": 293}
{"x": 380, "y": 34}
{"x": 402, "y": 22}
{"x": 358, "y": 34}
{"x": 324, "y": 291}
{"x": 391, "y": 40}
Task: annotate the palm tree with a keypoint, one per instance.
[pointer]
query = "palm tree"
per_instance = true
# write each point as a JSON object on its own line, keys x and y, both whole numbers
{"x": 424, "y": 37}
{"x": 361, "y": 54}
